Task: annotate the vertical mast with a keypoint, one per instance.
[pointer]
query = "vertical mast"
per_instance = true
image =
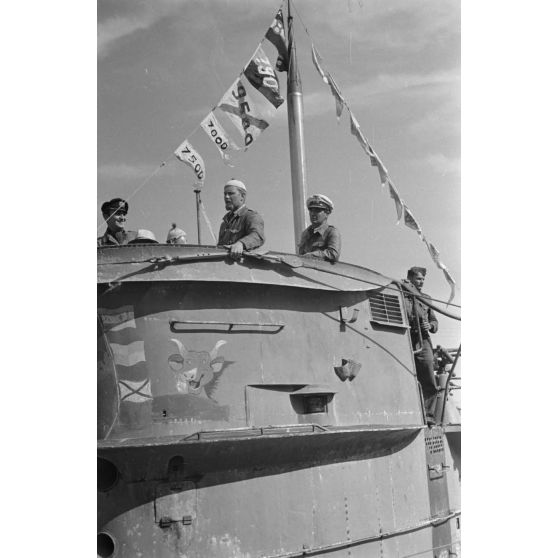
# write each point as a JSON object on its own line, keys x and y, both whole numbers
{"x": 198, "y": 202}
{"x": 296, "y": 134}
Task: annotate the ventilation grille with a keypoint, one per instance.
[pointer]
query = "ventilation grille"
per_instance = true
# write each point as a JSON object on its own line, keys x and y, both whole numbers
{"x": 386, "y": 308}
{"x": 434, "y": 444}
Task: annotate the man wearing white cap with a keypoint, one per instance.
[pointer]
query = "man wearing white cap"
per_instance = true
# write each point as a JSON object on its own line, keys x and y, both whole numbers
{"x": 242, "y": 228}
{"x": 320, "y": 240}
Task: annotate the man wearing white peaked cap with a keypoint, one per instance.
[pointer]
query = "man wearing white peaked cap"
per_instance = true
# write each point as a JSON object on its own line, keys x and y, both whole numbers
{"x": 320, "y": 240}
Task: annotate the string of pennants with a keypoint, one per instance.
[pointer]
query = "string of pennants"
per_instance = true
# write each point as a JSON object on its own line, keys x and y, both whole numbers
{"x": 238, "y": 105}
{"x": 400, "y": 206}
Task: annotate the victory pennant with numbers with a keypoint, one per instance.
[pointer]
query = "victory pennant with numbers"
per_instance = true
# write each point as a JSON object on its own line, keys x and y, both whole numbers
{"x": 187, "y": 154}
{"x": 212, "y": 127}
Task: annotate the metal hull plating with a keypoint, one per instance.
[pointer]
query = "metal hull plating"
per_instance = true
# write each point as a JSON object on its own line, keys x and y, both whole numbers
{"x": 260, "y": 409}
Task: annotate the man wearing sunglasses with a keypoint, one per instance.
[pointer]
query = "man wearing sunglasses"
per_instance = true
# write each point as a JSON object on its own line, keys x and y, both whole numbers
{"x": 114, "y": 213}
{"x": 320, "y": 240}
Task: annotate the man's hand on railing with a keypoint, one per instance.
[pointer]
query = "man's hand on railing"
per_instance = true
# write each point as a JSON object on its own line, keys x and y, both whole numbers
{"x": 235, "y": 250}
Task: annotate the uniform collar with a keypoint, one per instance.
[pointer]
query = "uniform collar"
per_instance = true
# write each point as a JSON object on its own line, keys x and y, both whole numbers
{"x": 110, "y": 237}
{"x": 240, "y": 210}
{"x": 116, "y": 237}
{"x": 237, "y": 212}
{"x": 321, "y": 229}
{"x": 413, "y": 289}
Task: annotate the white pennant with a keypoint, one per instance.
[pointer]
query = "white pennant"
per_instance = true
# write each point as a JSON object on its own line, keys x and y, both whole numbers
{"x": 357, "y": 132}
{"x": 187, "y": 154}
{"x": 241, "y": 110}
{"x": 212, "y": 127}
{"x": 326, "y": 77}
{"x": 451, "y": 282}
{"x": 316, "y": 58}
{"x": 384, "y": 177}
{"x": 435, "y": 254}
{"x": 410, "y": 221}
{"x": 339, "y": 101}
{"x": 398, "y": 202}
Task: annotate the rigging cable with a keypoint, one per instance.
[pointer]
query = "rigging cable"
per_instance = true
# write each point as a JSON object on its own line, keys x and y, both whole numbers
{"x": 207, "y": 222}
{"x": 161, "y": 165}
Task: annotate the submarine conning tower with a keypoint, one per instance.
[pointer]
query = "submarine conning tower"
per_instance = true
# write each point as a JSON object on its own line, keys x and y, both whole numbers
{"x": 204, "y": 343}
{"x": 283, "y": 382}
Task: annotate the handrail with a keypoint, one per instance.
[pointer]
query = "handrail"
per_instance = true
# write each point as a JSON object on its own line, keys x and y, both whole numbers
{"x": 229, "y": 324}
{"x": 255, "y": 431}
{"x": 418, "y": 326}
{"x": 447, "y": 387}
{"x": 430, "y": 522}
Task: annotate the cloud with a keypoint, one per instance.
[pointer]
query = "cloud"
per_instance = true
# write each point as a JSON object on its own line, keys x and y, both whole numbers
{"x": 444, "y": 117}
{"x": 137, "y": 16}
{"x": 121, "y": 19}
{"x": 417, "y": 85}
{"x": 384, "y": 83}
{"x": 396, "y": 24}
{"x": 442, "y": 164}
{"x": 116, "y": 28}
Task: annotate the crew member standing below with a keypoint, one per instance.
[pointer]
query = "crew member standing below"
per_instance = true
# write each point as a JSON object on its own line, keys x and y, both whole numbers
{"x": 423, "y": 324}
{"x": 320, "y": 240}
{"x": 242, "y": 228}
{"x": 176, "y": 236}
{"x": 114, "y": 213}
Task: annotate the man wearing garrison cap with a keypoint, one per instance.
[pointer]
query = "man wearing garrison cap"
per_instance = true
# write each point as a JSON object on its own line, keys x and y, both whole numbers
{"x": 423, "y": 323}
{"x": 114, "y": 213}
{"x": 320, "y": 240}
{"x": 242, "y": 228}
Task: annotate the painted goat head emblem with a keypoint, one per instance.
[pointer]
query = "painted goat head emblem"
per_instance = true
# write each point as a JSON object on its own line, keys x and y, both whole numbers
{"x": 194, "y": 370}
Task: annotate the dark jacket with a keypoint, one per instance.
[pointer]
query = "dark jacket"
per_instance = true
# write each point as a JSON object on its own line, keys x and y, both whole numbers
{"x": 244, "y": 225}
{"x": 121, "y": 237}
{"x": 420, "y": 310}
{"x": 323, "y": 242}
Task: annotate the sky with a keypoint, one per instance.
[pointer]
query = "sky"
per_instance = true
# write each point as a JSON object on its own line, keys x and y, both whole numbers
{"x": 162, "y": 66}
